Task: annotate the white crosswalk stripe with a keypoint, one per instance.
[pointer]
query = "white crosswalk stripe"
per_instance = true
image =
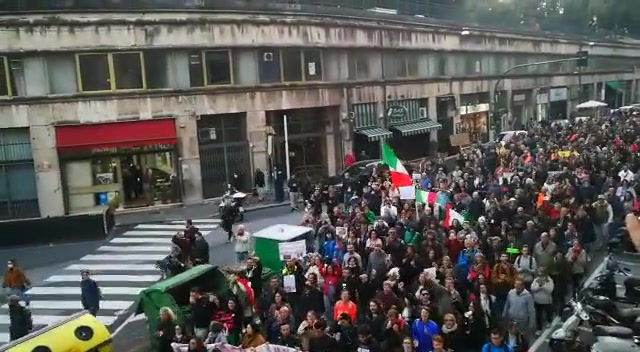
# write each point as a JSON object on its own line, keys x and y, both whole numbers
{"x": 123, "y": 267}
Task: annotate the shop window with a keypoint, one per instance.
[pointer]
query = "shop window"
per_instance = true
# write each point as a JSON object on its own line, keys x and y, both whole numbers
{"x": 217, "y": 67}
{"x": 110, "y": 71}
{"x": 291, "y": 65}
{"x": 269, "y": 66}
{"x": 312, "y": 65}
{"x": 359, "y": 65}
{"x": 104, "y": 171}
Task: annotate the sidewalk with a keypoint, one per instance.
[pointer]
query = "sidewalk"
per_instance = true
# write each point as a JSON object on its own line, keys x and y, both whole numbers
{"x": 207, "y": 209}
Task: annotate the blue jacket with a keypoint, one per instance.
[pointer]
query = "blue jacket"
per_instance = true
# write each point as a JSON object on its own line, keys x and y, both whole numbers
{"x": 489, "y": 347}
{"x": 462, "y": 259}
{"x": 329, "y": 248}
{"x": 423, "y": 333}
{"x": 89, "y": 294}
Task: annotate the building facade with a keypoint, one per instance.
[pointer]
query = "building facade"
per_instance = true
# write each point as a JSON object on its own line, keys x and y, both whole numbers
{"x": 171, "y": 107}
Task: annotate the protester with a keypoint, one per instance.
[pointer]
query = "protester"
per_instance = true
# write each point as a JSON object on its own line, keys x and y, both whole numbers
{"x": 480, "y": 261}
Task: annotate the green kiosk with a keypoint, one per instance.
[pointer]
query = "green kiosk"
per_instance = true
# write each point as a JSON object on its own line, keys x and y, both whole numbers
{"x": 280, "y": 242}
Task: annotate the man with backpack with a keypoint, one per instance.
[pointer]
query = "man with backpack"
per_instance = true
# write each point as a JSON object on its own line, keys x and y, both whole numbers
{"x": 526, "y": 266}
{"x": 496, "y": 343}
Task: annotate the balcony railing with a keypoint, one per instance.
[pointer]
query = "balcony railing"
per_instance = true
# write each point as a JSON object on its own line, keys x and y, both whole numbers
{"x": 427, "y": 11}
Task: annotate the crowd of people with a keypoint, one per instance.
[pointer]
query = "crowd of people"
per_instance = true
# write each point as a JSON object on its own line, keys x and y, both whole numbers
{"x": 483, "y": 265}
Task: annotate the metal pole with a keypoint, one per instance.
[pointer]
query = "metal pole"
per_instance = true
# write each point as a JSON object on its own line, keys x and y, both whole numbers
{"x": 286, "y": 145}
{"x": 495, "y": 113}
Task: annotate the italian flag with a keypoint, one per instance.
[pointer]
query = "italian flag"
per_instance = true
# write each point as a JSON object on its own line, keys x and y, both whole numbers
{"x": 399, "y": 175}
{"x": 450, "y": 215}
{"x": 425, "y": 197}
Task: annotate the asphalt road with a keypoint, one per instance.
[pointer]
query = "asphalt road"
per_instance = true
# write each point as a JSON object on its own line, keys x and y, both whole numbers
{"x": 630, "y": 261}
{"x": 132, "y": 335}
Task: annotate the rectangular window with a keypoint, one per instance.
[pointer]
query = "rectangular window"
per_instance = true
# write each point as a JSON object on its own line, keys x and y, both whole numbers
{"x": 5, "y": 85}
{"x": 269, "y": 66}
{"x": 218, "y": 67}
{"x": 359, "y": 65}
{"x": 94, "y": 72}
{"x": 441, "y": 64}
{"x": 110, "y": 71}
{"x": 312, "y": 65}
{"x": 291, "y": 65}
{"x": 412, "y": 64}
{"x": 196, "y": 71}
{"x": 127, "y": 70}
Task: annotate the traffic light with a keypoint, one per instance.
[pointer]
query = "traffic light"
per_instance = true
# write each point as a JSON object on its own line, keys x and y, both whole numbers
{"x": 583, "y": 58}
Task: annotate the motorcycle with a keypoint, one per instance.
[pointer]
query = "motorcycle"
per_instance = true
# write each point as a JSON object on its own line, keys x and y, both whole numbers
{"x": 605, "y": 284}
{"x": 235, "y": 200}
{"x": 621, "y": 338}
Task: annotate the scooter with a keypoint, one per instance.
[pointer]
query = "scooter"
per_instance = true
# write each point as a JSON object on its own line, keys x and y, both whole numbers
{"x": 234, "y": 199}
{"x": 608, "y": 338}
{"x": 605, "y": 284}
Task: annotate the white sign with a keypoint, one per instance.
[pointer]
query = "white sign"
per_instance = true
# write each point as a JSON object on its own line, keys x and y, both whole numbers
{"x": 289, "y": 283}
{"x": 542, "y": 99}
{"x": 341, "y": 232}
{"x": 292, "y": 250}
{"x": 407, "y": 192}
{"x": 519, "y": 98}
{"x": 473, "y": 109}
{"x": 558, "y": 94}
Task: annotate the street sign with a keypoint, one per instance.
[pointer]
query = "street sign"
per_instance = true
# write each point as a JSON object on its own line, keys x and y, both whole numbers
{"x": 397, "y": 112}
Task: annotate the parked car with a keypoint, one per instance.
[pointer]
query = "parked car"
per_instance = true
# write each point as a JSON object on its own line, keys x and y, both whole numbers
{"x": 360, "y": 172}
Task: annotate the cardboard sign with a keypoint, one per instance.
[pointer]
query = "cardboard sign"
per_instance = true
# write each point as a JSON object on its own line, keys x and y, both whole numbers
{"x": 460, "y": 139}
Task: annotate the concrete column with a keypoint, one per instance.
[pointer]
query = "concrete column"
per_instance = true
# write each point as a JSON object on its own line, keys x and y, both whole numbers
{"x": 189, "y": 160}
{"x": 48, "y": 176}
{"x": 330, "y": 145}
{"x": 256, "y": 130}
{"x": 432, "y": 113}
{"x": 596, "y": 92}
{"x": 509, "y": 98}
{"x": 634, "y": 89}
{"x": 346, "y": 124}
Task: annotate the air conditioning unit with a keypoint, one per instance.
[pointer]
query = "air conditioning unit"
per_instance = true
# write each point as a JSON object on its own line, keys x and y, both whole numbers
{"x": 199, "y": 3}
{"x": 423, "y": 113}
{"x": 268, "y": 56}
{"x": 207, "y": 134}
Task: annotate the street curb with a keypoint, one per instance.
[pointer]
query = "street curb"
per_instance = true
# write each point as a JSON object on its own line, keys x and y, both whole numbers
{"x": 212, "y": 216}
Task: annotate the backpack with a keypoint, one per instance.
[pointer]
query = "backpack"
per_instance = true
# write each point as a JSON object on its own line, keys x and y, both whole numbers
{"x": 530, "y": 262}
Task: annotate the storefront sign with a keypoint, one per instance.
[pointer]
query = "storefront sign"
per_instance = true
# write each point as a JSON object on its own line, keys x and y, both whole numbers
{"x": 542, "y": 99}
{"x": 118, "y": 151}
{"x": 558, "y": 94}
{"x": 519, "y": 98}
{"x": 473, "y": 109}
{"x": 397, "y": 112}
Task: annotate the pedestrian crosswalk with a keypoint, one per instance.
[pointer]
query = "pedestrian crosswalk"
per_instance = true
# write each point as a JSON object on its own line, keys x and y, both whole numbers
{"x": 123, "y": 267}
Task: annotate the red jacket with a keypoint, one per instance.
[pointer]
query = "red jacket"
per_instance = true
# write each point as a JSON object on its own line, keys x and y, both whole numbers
{"x": 454, "y": 247}
{"x": 473, "y": 274}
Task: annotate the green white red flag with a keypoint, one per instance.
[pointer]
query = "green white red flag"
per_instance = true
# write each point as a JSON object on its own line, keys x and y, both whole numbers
{"x": 399, "y": 175}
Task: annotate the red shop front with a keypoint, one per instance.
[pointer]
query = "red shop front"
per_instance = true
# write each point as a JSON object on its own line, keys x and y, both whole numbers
{"x": 131, "y": 163}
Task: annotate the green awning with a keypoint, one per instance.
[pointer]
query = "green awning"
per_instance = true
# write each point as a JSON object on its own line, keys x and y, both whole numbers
{"x": 615, "y": 85}
{"x": 374, "y": 133}
{"x": 417, "y": 127}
